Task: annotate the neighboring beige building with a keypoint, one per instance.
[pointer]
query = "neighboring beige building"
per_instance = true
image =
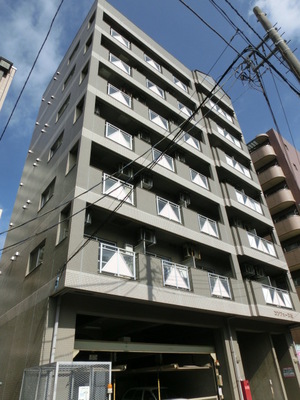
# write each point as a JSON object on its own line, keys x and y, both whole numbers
{"x": 277, "y": 164}
{"x": 139, "y": 232}
{"x": 7, "y": 72}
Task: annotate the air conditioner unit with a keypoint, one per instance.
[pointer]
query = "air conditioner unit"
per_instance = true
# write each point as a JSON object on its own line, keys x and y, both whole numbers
{"x": 146, "y": 182}
{"x": 259, "y": 272}
{"x": 147, "y": 236}
{"x": 189, "y": 250}
{"x": 180, "y": 157}
{"x": 145, "y": 136}
{"x": 124, "y": 171}
{"x": 248, "y": 271}
{"x": 184, "y": 199}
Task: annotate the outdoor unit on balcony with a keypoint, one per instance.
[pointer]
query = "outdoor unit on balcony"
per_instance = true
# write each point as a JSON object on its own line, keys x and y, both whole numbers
{"x": 248, "y": 271}
{"x": 145, "y": 136}
{"x": 124, "y": 171}
{"x": 147, "y": 236}
{"x": 184, "y": 199}
{"x": 179, "y": 156}
{"x": 259, "y": 272}
{"x": 146, "y": 181}
{"x": 190, "y": 250}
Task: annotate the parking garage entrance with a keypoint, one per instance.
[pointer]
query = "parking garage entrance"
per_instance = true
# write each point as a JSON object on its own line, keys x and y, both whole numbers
{"x": 151, "y": 361}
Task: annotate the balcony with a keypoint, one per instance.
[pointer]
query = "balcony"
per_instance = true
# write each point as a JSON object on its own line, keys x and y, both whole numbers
{"x": 168, "y": 209}
{"x": 263, "y": 156}
{"x": 258, "y": 243}
{"x": 277, "y": 297}
{"x": 238, "y": 166}
{"x": 158, "y": 120}
{"x": 229, "y": 137}
{"x": 288, "y": 228}
{"x": 117, "y": 94}
{"x": 280, "y": 200}
{"x": 118, "y": 136}
{"x": 175, "y": 275}
{"x": 271, "y": 177}
{"x": 199, "y": 179}
{"x": 248, "y": 202}
{"x": 293, "y": 259}
{"x": 208, "y": 226}
{"x": 119, "y": 63}
{"x": 219, "y": 286}
{"x": 191, "y": 140}
{"x": 116, "y": 261}
{"x": 118, "y": 189}
{"x": 163, "y": 159}
{"x": 120, "y": 38}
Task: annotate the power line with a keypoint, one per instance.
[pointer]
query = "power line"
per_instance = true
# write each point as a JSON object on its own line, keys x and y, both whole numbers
{"x": 31, "y": 70}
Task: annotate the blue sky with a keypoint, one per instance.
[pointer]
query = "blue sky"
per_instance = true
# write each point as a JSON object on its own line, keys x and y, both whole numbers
{"x": 24, "y": 24}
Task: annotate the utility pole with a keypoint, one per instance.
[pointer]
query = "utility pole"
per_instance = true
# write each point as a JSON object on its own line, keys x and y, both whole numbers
{"x": 279, "y": 43}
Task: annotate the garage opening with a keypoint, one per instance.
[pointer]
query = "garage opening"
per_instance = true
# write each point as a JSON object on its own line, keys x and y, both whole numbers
{"x": 151, "y": 361}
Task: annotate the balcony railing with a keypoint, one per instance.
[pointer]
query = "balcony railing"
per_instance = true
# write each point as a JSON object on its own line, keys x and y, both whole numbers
{"x": 120, "y": 38}
{"x": 277, "y": 297}
{"x": 119, "y": 63}
{"x": 119, "y": 136}
{"x": 261, "y": 244}
{"x": 248, "y": 201}
{"x": 168, "y": 209}
{"x": 163, "y": 159}
{"x": 219, "y": 286}
{"x": 119, "y": 95}
{"x": 208, "y": 226}
{"x": 229, "y": 137}
{"x": 158, "y": 120}
{"x": 239, "y": 167}
{"x": 185, "y": 110}
{"x": 153, "y": 63}
{"x": 117, "y": 189}
{"x": 180, "y": 84}
{"x": 156, "y": 89}
{"x": 191, "y": 140}
{"x": 116, "y": 261}
{"x": 220, "y": 110}
{"x": 175, "y": 275}
{"x": 199, "y": 179}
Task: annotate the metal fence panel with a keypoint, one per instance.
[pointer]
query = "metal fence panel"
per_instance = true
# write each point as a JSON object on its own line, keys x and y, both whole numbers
{"x": 67, "y": 381}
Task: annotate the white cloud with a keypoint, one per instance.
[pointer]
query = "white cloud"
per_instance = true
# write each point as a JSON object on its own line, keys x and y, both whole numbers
{"x": 285, "y": 13}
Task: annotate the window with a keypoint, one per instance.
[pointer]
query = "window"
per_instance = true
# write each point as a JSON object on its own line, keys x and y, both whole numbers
{"x": 47, "y": 194}
{"x": 78, "y": 109}
{"x": 84, "y": 73}
{"x": 69, "y": 77}
{"x": 73, "y": 52}
{"x": 119, "y": 63}
{"x": 91, "y": 20}
{"x": 180, "y": 84}
{"x": 56, "y": 145}
{"x": 63, "y": 108}
{"x": 153, "y": 63}
{"x": 72, "y": 158}
{"x": 156, "y": 89}
{"x": 120, "y": 38}
{"x": 88, "y": 44}
{"x": 64, "y": 222}
{"x": 36, "y": 257}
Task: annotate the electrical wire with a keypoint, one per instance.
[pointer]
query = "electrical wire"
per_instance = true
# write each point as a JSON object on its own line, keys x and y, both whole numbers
{"x": 31, "y": 70}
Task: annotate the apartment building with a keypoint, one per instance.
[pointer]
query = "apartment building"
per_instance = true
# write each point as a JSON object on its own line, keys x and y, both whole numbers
{"x": 140, "y": 234}
{"x": 7, "y": 72}
{"x": 277, "y": 164}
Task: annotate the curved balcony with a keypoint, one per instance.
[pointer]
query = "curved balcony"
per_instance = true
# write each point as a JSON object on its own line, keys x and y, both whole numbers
{"x": 271, "y": 177}
{"x": 263, "y": 155}
{"x": 293, "y": 259}
{"x": 288, "y": 227}
{"x": 280, "y": 200}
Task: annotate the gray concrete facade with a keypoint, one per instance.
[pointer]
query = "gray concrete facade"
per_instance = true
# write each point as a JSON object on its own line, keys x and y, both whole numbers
{"x": 149, "y": 237}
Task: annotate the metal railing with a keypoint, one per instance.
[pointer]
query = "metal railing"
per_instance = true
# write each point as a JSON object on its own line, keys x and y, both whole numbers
{"x": 277, "y": 297}
{"x": 199, "y": 179}
{"x": 219, "y": 286}
{"x": 208, "y": 226}
{"x": 258, "y": 243}
{"x": 191, "y": 140}
{"x": 117, "y": 189}
{"x": 158, "y": 120}
{"x": 175, "y": 275}
{"x": 66, "y": 380}
{"x": 163, "y": 159}
{"x": 118, "y": 136}
{"x": 168, "y": 209}
{"x": 238, "y": 166}
{"x": 116, "y": 261}
{"x": 119, "y": 95}
{"x": 248, "y": 201}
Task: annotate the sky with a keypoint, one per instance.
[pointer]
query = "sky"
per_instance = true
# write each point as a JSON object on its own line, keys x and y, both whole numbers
{"x": 25, "y": 23}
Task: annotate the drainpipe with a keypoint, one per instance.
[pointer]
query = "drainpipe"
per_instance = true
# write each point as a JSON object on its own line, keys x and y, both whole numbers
{"x": 55, "y": 329}
{"x": 235, "y": 364}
